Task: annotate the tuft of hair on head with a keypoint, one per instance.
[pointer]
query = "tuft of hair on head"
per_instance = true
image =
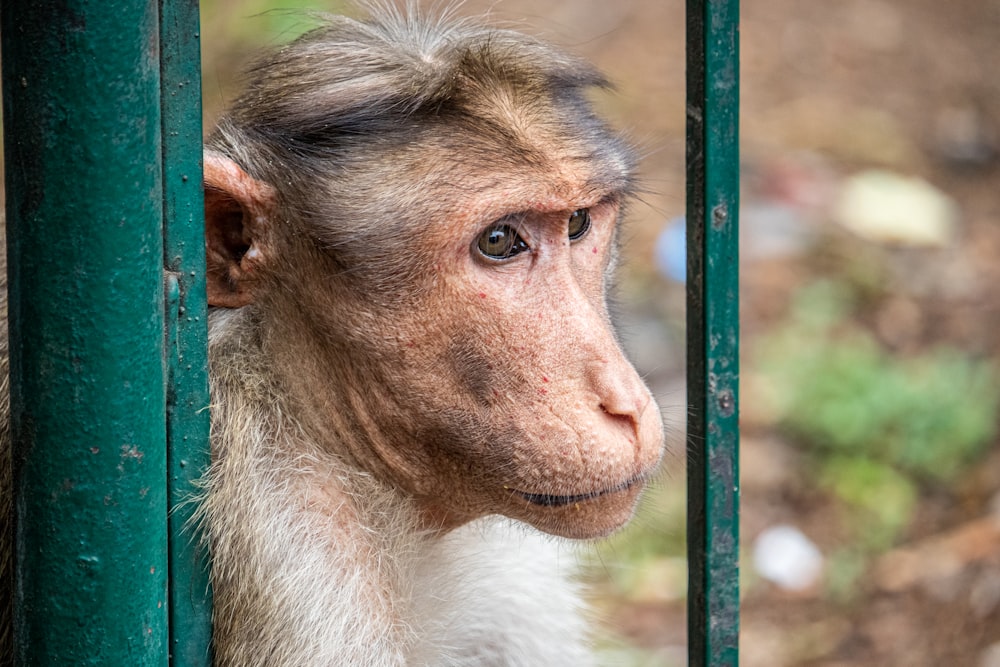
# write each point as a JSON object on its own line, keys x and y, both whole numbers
{"x": 353, "y": 79}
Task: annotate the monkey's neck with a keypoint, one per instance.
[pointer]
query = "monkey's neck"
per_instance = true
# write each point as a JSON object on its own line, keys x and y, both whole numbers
{"x": 341, "y": 414}
{"x": 342, "y": 472}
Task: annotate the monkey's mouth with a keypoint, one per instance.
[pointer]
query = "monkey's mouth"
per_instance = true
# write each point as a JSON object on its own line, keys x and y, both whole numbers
{"x": 548, "y": 500}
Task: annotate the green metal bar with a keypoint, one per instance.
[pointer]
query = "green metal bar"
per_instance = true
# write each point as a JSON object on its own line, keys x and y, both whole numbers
{"x": 187, "y": 396}
{"x": 713, "y": 331}
{"x": 84, "y": 210}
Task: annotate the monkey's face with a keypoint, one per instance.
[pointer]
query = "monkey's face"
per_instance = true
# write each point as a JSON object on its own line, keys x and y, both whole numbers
{"x": 453, "y": 335}
{"x": 504, "y": 388}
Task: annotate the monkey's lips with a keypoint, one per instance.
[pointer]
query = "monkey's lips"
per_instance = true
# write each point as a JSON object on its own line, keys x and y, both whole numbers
{"x": 550, "y": 500}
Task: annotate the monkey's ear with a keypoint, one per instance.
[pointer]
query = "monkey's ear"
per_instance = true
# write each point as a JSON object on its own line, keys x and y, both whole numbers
{"x": 237, "y": 209}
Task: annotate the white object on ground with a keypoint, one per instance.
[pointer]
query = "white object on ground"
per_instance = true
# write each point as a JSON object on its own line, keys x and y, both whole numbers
{"x": 786, "y": 557}
{"x": 887, "y": 207}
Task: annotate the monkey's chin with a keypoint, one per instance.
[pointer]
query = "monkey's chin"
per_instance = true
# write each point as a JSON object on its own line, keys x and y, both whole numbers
{"x": 583, "y": 516}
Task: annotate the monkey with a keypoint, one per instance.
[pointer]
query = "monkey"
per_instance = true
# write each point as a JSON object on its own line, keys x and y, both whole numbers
{"x": 417, "y": 393}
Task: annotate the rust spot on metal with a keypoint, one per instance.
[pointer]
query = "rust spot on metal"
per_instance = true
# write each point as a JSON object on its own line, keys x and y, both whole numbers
{"x": 720, "y": 215}
{"x": 726, "y": 402}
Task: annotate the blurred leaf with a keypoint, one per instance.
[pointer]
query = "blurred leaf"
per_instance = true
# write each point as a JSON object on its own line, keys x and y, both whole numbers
{"x": 884, "y": 499}
{"x": 840, "y": 392}
{"x": 844, "y": 568}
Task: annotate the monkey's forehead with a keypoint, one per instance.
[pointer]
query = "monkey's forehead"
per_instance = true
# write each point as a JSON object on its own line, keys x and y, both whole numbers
{"x": 484, "y": 180}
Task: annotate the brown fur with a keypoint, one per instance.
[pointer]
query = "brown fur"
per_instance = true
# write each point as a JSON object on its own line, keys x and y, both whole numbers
{"x": 381, "y": 390}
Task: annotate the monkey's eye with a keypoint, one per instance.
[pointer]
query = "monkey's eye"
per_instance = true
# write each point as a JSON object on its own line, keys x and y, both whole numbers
{"x": 579, "y": 223}
{"x": 501, "y": 241}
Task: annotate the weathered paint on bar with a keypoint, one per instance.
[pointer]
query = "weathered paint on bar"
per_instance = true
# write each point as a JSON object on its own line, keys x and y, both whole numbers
{"x": 713, "y": 331}
{"x": 187, "y": 396}
{"x": 85, "y": 251}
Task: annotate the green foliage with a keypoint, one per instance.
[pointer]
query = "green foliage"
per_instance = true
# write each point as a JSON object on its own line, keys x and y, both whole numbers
{"x": 844, "y": 567}
{"x": 926, "y": 416}
{"x": 882, "y": 500}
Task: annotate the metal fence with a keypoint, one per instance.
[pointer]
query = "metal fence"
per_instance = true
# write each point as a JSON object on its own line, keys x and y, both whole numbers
{"x": 102, "y": 137}
{"x": 713, "y": 331}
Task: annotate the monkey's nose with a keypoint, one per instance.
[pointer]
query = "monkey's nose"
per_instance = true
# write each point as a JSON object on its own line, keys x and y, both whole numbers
{"x": 620, "y": 390}
{"x": 634, "y": 415}
{"x": 626, "y": 401}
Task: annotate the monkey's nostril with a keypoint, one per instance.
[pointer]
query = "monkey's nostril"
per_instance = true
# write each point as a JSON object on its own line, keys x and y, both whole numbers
{"x": 626, "y": 419}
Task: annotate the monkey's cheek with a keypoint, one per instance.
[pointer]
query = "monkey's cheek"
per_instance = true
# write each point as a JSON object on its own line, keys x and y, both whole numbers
{"x": 585, "y": 519}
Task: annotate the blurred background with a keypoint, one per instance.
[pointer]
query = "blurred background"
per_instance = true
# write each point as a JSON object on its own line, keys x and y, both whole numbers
{"x": 870, "y": 314}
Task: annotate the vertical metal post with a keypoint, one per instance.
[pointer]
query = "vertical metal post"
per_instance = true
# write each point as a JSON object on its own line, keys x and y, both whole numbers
{"x": 187, "y": 395}
{"x": 85, "y": 250}
{"x": 713, "y": 331}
